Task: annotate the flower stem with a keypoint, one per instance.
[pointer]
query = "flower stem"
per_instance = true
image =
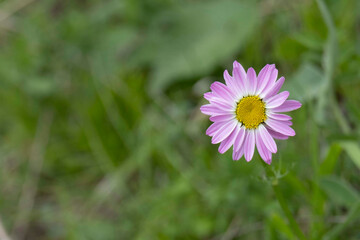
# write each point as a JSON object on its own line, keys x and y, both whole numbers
{"x": 293, "y": 224}
{"x": 340, "y": 118}
{"x": 283, "y": 204}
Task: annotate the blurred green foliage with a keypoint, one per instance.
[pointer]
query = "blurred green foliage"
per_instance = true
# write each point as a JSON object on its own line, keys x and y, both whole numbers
{"x": 101, "y": 136}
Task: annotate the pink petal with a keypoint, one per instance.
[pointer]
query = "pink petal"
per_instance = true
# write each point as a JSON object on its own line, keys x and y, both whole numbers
{"x": 236, "y": 64}
{"x": 281, "y": 117}
{"x": 208, "y": 96}
{"x": 229, "y": 81}
{"x": 214, "y": 98}
{"x": 224, "y": 132}
{"x": 289, "y": 123}
{"x": 229, "y": 141}
{"x": 277, "y": 100}
{"x": 239, "y": 75}
{"x": 275, "y": 89}
{"x": 251, "y": 81}
{"x": 240, "y": 79}
{"x": 228, "y": 78}
{"x": 277, "y": 135}
{"x": 210, "y": 109}
{"x": 222, "y": 91}
{"x": 249, "y": 145}
{"x": 224, "y": 106}
{"x": 239, "y": 139}
{"x": 265, "y": 154}
{"x": 237, "y": 155}
{"x": 270, "y": 83}
{"x": 222, "y": 118}
{"x": 267, "y": 139}
{"x": 280, "y": 127}
{"x": 214, "y": 128}
{"x": 232, "y": 84}
{"x": 263, "y": 78}
{"x": 287, "y": 106}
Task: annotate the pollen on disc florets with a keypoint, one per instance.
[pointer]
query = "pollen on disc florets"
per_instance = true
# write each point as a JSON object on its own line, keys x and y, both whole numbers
{"x": 250, "y": 111}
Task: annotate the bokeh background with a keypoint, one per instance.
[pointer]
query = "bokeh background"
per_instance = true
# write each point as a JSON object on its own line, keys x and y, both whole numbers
{"x": 101, "y": 136}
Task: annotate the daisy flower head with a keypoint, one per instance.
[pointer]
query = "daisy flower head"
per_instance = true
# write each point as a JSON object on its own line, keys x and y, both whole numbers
{"x": 246, "y": 112}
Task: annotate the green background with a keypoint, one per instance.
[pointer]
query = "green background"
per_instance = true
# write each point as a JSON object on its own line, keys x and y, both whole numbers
{"x": 101, "y": 136}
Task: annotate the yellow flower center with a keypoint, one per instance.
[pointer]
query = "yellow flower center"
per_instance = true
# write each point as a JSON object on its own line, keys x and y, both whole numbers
{"x": 250, "y": 111}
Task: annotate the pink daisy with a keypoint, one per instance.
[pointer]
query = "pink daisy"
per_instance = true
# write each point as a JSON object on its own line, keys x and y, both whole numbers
{"x": 246, "y": 112}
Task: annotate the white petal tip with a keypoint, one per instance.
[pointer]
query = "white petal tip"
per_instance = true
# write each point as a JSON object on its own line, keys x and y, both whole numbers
{"x": 268, "y": 161}
{"x": 273, "y": 150}
{"x": 222, "y": 151}
{"x": 247, "y": 159}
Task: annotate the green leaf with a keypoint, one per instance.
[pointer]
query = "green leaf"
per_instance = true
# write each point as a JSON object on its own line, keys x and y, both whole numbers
{"x": 339, "y": 191}
{"x": 328, "y": 165}
{"x": 351, "y": 217}
{"x": 309, "y": 40}
{"x": 353, "y": 150}
{"x": 306, "y": 83}
{"x": 115, "y": 45}
{"x": 39, "y": 86}
{"x": 194, "y": 38}
{"x": 281, "y": 226}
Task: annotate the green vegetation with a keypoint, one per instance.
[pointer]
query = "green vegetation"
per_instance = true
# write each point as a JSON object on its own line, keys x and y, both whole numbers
{"x": 101, "y": 136}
